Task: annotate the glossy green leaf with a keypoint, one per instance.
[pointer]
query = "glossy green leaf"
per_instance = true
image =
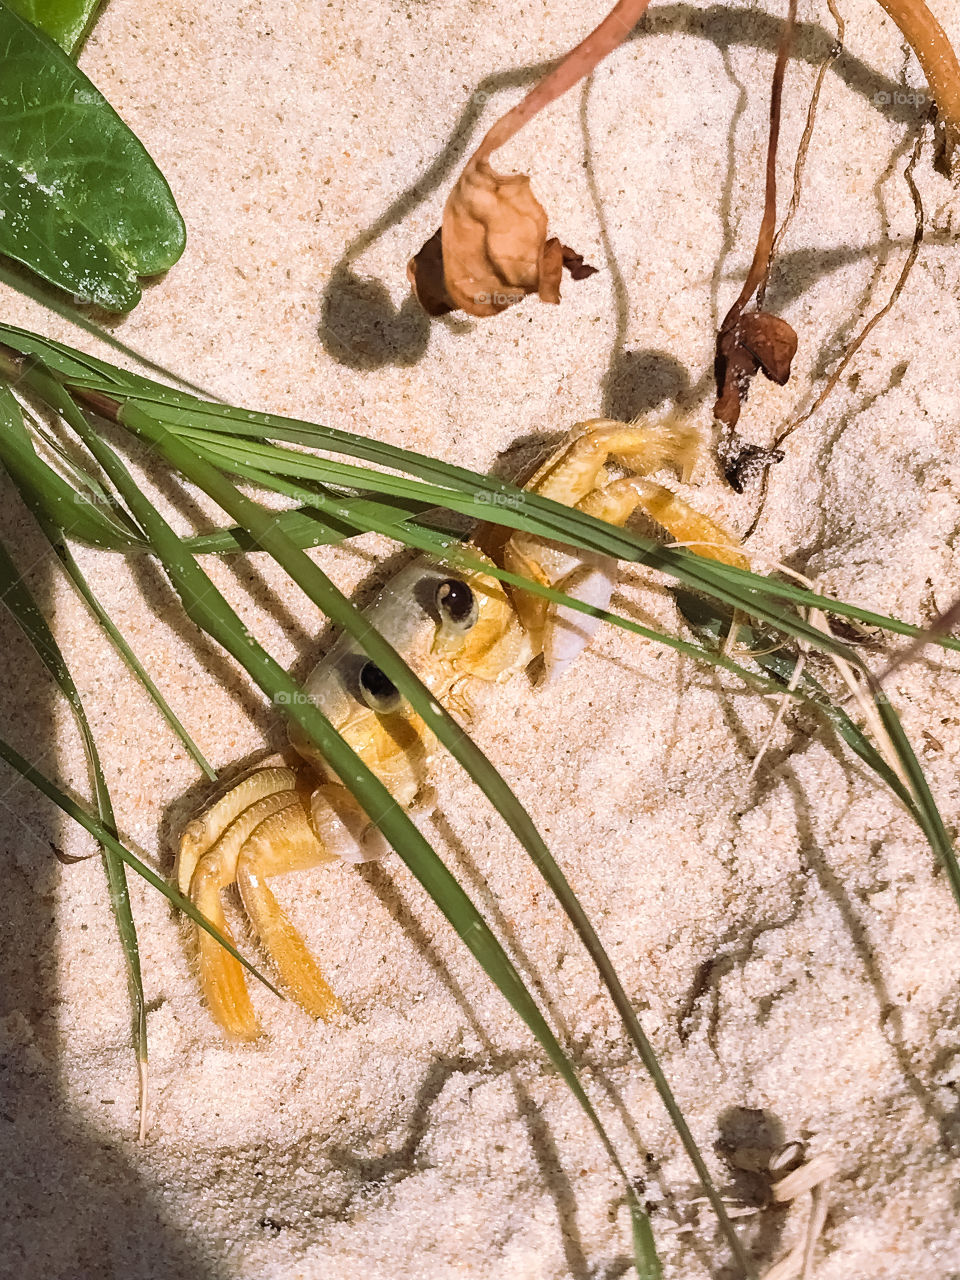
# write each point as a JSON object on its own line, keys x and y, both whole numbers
{"x": 81, "y": 202}
{"x": 66, "y": 21}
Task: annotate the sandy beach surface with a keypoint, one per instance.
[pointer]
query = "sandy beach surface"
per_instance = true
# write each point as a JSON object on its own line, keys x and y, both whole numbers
{"x": 787, "y": 940}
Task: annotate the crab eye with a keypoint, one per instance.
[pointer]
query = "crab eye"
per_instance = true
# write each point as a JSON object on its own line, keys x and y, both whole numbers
{"x": 379, "y": 693}
{"x": 457, "y": 604}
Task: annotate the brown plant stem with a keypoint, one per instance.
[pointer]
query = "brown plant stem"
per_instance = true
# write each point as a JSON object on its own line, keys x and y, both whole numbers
{"x": 579, "y": 62}
{"x": 805, "y": 140}
{"x": 760, "y": 266}
{"x": 939, "y": 62}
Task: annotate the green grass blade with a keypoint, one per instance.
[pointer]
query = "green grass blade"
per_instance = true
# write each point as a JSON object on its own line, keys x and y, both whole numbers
{"x": 928, "y": 813}
{"x": 515, "y": 508}
{"x": 645, "y": 1259}
{"x": 705, "y": 619}
{"x": 45, "y": 491}
{"x": 310, "y": 527}
{"x": 209, "y": 610}
{"x": 341, "y": 612}
{"x": 498, "y": 501}
{"x": 77, "y": 365}
{"x": 126, "y": 653}
{"x": 106, "y": 838}
{"x": 19, "y": 600}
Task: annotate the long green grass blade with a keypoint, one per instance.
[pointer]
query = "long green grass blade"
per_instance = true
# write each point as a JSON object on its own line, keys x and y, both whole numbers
{"x": 67, "y": 360}
{"x": 19, "y": 600}
{"x": 310, "y": 526}
{"x": 450, "y": 549}
{"x": 73, "y": 570}
{"x": 315, "y": 583}
{"x": 13, "y": 432}
{"x": 645, "y": 1260}
{"x": 106, "y": 838}
{"x": 209, "y": 610}
{"x": 46, "y": 491}
{"x": 704, "y": 618}
{"x": 474, "y": 494}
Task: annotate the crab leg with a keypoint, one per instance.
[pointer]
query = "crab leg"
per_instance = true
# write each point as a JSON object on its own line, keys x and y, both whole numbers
{"x": 578, "y": 468}
{"x": 617, "y": 501}
{"x": 221, "y": 976}
{"x": 202, "y": 832}
{"x": 576, "y": 475}
{"x": 257, "y": 829}
{"x": 285, "y": 841}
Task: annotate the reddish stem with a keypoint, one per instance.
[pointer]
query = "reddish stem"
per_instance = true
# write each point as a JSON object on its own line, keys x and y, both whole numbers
{"x": 579, "y": 62}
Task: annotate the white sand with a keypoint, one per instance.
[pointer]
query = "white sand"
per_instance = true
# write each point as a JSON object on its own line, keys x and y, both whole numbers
{"x": 795, "y": 928}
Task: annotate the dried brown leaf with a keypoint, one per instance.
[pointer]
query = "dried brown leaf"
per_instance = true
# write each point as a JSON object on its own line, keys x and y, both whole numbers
{"x": 425, "y": 273}
{"x": 492, "y": 249}
{"x": 756, "y": 342}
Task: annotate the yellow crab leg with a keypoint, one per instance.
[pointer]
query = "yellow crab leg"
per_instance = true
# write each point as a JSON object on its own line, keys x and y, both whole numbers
{"x": 221, "y": 976}
{"x": 285, "y": 841}
{"x": 577, "y": 472}
{"x": 617, "y": 501}
{"x": 202, "y": 832}
{"x": 578, "y": 467}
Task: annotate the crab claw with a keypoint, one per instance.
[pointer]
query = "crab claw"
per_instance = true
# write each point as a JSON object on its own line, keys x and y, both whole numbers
{"x": 568, "y": 631}
{"x": 345, "y": 829}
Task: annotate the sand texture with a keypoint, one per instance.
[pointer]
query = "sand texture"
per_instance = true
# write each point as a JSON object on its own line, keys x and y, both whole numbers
{"x": 789, "y": 944}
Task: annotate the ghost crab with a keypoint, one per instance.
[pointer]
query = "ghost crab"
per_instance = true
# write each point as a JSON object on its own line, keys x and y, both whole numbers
{"x": 450, "y": 628}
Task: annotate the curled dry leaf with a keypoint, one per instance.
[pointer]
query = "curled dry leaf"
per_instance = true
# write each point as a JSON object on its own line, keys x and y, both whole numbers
{"x": 755, "y": 342}
{"x": 492, "y": 249}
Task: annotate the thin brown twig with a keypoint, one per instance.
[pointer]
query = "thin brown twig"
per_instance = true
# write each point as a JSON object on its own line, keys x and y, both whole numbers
{"x": 871, "y": 324}
{"x": 875, "y": 319}
{"x": 805, "y": 140}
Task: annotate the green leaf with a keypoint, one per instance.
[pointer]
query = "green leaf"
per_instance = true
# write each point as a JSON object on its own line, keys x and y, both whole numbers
{"x": 66, "y": 21}
{"x": 81, "y": 202}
